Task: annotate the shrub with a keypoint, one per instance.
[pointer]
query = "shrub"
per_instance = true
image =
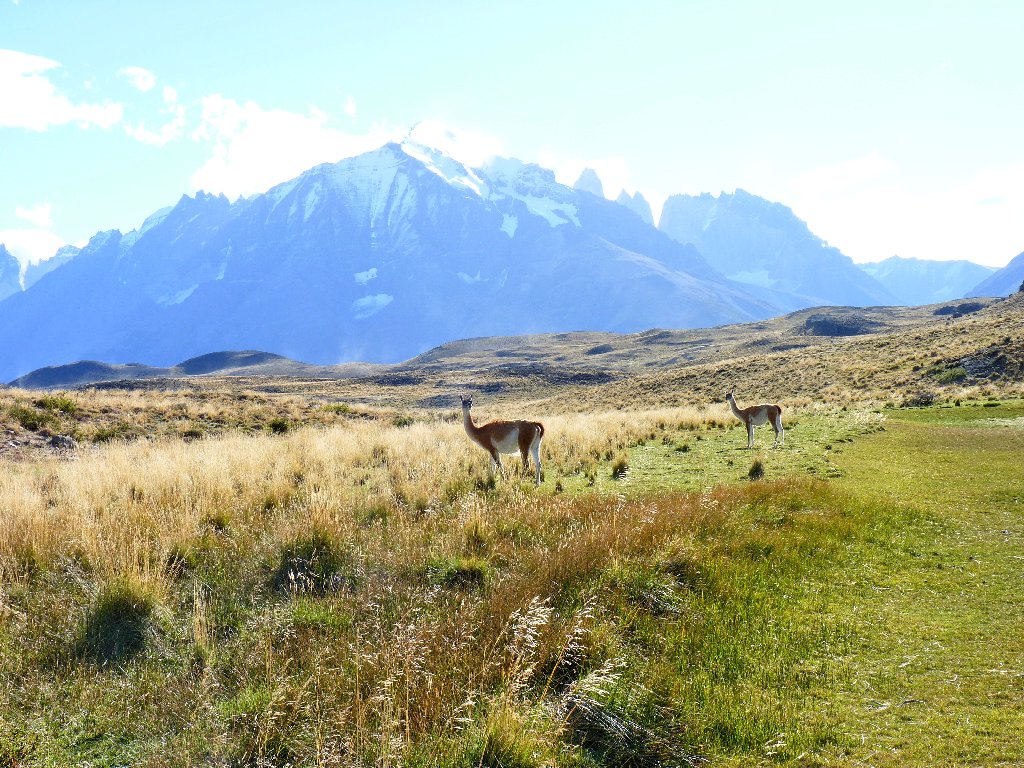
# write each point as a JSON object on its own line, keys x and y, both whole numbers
{"x": 620, "y": 466}
{"x": 32, "y": 419}
{"x": 949, "y": 375}
{"x": 921, "y": 399}
{"x": 115, "y": 432}
{"x": 466, "y": 573}
{"x": 314, "y": 564}
{"x": 116, "y": 626}
{"x": 278, "y": 426}
{"x": 61, "y": 403}
{"x": 756, "y": 471}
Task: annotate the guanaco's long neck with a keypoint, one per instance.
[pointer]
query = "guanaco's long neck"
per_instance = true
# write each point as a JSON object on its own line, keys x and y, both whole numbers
{"x": 735, "y": 409}
{"x": 467, "y": 422}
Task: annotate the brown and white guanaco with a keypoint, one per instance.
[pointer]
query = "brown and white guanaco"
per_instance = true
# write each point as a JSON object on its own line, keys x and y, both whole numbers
{"x": 509, "y": 437}
{"x": 756, "y": 415}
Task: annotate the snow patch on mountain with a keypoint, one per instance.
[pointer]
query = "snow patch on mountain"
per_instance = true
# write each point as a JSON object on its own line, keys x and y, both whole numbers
{"x": 533, "y": 186}
{"x": 761, "y": 278}
{"x": 509, "y": 224}
{"x": 448, "y": 168}
{"x": 362, "y": 278}
{"x": 370, "y": 305}
{"x": 177, "y": 298}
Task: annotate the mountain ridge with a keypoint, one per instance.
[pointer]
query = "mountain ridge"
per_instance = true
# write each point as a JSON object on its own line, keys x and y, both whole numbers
{"x": 764, "y": 244}
{"x": 922, "y": 281}
{"x": 374, "y": 258}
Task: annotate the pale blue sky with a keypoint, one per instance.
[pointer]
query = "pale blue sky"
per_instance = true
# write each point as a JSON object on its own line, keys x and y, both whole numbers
{"x": 890, "y": 127}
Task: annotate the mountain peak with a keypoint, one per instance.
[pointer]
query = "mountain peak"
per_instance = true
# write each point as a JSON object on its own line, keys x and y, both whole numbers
{"x": 590, "y": 182}
{"x": 439, "y": 161}
{"x": 638, "y": 204}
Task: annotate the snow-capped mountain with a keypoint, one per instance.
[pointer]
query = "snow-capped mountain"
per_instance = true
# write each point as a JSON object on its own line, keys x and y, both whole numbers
{"x": 375, "y": 258}
{"x": 1003, "y": 282}
{"x": 924, "y": 281}
{"x": 10, "y": 273}
{"x": 763, "y": 244}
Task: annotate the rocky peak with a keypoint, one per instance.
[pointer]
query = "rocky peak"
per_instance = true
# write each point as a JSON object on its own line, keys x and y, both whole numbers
{"x": 589, "y": 182}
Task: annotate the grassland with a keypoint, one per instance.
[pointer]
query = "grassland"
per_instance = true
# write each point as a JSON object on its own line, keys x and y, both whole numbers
{"x": 296, "y": 572}
{"x": 336, "y": 594}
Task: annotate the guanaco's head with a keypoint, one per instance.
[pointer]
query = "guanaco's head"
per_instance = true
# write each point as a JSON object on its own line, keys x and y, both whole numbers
{"x": 467, "y": 402}
{"x": 728, "y": 396}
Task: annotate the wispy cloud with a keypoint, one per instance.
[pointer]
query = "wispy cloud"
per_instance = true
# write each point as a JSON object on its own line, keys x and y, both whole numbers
{"x": 614, "y": 172}
{"x": 255, "y": 148}
{"x": 139, "y": 78}
{"x": 350, "y": 107}
{"x": 170, "y": 131}
{"x": 843, "y": 176}
{"x": 39, "y": 215}
{"x": 870, "y": 210}
{"x": 30, "y": 246}
{"x": 469, "y": 147}
{"x": 30, "y": 100}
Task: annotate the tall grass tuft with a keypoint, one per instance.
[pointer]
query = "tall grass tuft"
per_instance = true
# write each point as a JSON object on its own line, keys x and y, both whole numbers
{"x": 117, "y": 625}
{"x": 756, "y": 471}
{"x": 313, "y": 563}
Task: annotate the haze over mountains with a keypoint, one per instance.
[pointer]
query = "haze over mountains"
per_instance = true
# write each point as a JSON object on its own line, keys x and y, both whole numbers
{"x": 1005, "y": 281}
{"x": 375, "y": 258}
{"x": 763, "y": 244}
{"x": 918, "y": 281}
{"x": 382, "y": 256}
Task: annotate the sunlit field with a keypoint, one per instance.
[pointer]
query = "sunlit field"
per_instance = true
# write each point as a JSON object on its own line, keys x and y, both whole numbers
{"x": 359, "y": 590}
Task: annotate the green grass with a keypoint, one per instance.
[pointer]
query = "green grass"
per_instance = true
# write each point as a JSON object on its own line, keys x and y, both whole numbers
{"x": 860, "y": 604}
{"x": 938, "y": 674}
{"x": 697, "y": 460}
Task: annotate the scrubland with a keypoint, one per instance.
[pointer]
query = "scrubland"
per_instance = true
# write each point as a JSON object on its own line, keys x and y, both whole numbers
{"x": 257, "y": 573}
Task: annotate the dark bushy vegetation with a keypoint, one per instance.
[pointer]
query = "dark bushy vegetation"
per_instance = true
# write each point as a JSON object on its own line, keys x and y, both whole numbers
{"x": 313, "y": 563}
{"x": 117, "y": 625}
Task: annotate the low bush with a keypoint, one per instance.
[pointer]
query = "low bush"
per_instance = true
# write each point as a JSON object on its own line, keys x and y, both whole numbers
{"x": 313, "y": 563}
{"x": 117, "y": 624}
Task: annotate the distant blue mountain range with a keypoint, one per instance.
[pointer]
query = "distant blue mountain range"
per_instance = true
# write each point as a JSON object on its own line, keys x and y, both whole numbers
{"x": 380, "y": 257}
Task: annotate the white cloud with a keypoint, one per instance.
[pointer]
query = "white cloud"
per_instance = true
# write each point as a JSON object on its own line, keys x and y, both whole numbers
{"x": 839, "y": 177}
{"x": 469, "y": 147}
{"x": 141, "y": 79}
{"x": 613, "y": 171}
{"x": 30, "y": 246}
{"x": 256, "y": 148}
{"x": 370, "y": 305}
{"x": 38, "y": 215}
{"x": 31, "y": 101}
{"x": 871, "y": 209}
{"x": 350, "y": 107}
{"x": 169, "y": 131}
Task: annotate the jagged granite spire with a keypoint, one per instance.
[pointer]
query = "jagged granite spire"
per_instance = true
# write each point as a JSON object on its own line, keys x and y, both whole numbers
{"x": 637, "y": 204}
{"x": 589, "y": 182}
